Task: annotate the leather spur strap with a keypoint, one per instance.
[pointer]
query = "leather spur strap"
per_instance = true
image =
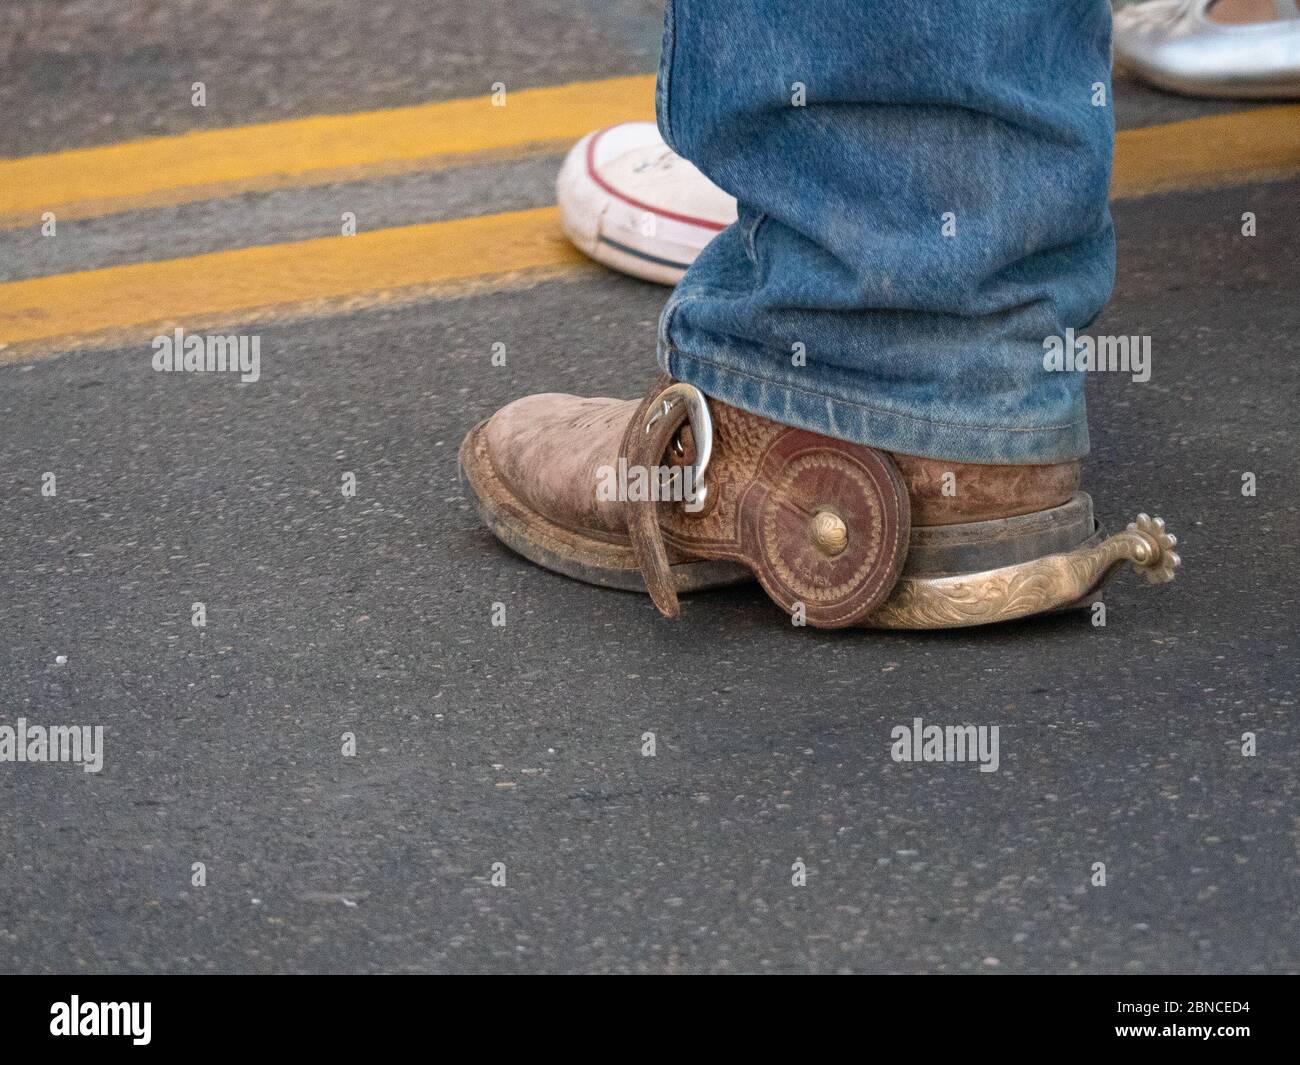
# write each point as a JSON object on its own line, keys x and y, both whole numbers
{"x": 646, "y": 449}
{"x": 822, "y": 523}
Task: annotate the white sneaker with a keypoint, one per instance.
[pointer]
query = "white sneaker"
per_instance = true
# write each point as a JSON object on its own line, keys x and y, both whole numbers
{"x": 631, "y": 202}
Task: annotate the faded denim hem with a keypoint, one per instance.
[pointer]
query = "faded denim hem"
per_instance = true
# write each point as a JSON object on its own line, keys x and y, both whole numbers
{"x": 903, "y": 432}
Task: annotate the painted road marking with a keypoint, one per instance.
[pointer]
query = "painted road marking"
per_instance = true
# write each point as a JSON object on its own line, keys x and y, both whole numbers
{"x": 1257, "y": 145}
{"x": 211, "y": 164}
{"x": 131, "y": 303}
{"x": 47, "y": 314}
{"x": 161, "y": 171}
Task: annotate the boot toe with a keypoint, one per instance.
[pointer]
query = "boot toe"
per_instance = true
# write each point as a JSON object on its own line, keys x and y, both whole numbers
{"x": 549, "y": 450}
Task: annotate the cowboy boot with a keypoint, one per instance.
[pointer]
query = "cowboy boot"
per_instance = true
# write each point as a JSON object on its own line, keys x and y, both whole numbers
{"x": 677, "y": 492}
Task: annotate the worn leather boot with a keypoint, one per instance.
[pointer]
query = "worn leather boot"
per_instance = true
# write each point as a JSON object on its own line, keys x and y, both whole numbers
{"x": 677, "y": 493}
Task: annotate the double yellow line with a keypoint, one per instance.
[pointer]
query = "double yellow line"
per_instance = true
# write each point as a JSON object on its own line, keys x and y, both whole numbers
{"x": 120, "y": 303}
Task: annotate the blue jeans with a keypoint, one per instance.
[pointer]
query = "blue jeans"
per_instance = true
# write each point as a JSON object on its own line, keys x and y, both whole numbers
{"x": 923, "y": 202}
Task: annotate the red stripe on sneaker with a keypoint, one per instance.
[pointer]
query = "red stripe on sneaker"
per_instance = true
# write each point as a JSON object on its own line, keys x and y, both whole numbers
{"x": 703, "y": 223}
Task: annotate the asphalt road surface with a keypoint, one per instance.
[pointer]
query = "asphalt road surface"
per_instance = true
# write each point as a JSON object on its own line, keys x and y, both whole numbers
{"x": 516, "y": 750}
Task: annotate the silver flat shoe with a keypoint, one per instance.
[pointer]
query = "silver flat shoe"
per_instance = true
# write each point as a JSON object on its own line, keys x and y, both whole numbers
{"x": 1175, "y": 45}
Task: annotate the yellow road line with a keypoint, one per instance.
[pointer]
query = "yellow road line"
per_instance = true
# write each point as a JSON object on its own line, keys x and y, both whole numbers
{"x": 87, "y": 182}
{"x": 1216, "y": 150}
{"x": 46, "y": 314}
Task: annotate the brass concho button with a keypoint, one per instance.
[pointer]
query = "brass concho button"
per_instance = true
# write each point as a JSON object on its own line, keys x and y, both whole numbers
{"x": 829, "y": 533}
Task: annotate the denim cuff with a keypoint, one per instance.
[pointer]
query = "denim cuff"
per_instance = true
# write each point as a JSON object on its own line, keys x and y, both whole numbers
{"x": 790, "y": 399}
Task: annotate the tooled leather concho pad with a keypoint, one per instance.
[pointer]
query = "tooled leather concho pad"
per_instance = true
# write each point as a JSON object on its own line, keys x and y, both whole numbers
{"x": 766, "y": 483}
